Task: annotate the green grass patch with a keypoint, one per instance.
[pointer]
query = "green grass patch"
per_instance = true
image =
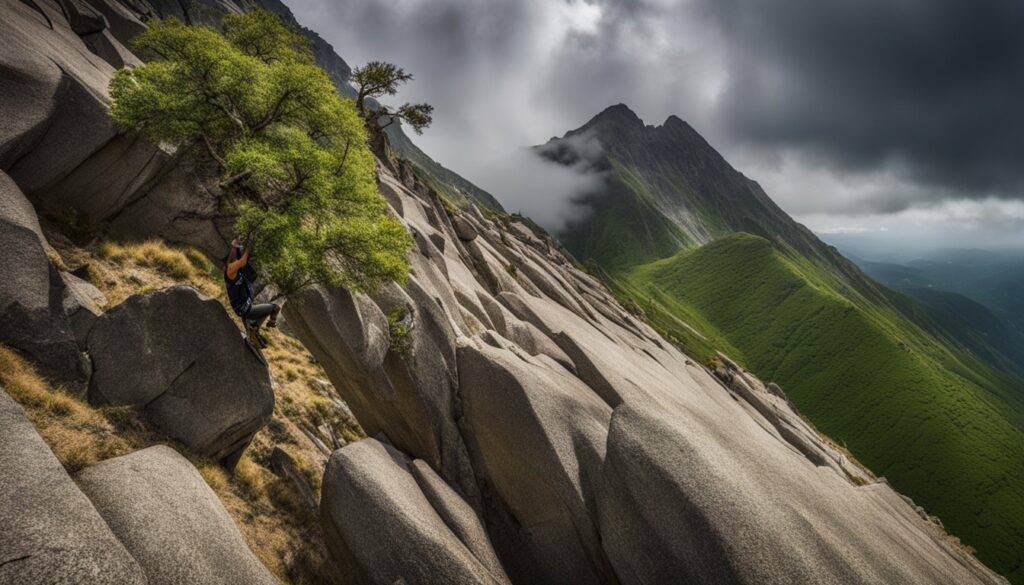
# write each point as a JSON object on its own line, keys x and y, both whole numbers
{"x": 941, "y": 425}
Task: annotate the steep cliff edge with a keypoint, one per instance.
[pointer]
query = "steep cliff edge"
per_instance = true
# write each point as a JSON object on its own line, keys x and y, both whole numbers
{"x": 529, "y": 429}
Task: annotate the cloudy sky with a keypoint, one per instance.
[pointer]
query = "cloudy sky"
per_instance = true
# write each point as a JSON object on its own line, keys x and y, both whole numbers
{"x": 903, "y": 118}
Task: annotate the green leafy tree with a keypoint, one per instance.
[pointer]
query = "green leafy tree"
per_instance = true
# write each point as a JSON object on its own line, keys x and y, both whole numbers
{"x": 377, "y": 79}
{"x": 291, "y": 155}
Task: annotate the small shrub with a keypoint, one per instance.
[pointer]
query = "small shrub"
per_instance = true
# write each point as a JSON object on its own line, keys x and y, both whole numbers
{"x": 398, "y": 329}
{"x": 512, "y": 270}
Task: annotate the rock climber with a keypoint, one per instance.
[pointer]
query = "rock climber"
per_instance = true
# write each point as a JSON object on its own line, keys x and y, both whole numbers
{"x": 239, "y": 277}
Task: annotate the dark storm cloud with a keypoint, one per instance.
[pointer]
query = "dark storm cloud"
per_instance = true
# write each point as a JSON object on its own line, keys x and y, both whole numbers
{"x": 841, "y": 109}
{"x": 931, "y": 87}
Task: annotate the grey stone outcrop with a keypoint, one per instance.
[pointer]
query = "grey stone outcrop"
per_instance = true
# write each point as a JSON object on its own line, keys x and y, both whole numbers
{"x": 179, "y": 358}
{"x": 172, "y": 523}
{"x": 374, "y": 497}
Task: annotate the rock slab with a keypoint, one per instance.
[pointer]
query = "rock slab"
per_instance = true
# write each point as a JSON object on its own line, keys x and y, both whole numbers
{"x": 179, "y": 358}
{"x": 32, "y": 318}
{"x": 391, "y": 520}
{"x": 51, "y": 532}
{"x": 159, "y": 506}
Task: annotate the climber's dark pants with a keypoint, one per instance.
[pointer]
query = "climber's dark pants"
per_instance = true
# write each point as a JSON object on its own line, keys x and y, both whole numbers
{"x": 258, "y": 313}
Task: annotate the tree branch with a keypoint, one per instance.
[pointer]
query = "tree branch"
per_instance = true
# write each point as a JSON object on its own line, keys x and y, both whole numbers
{"x": 227, "y": 182}
{"x": 213, "y": 152}
{"x": 275, "y": 112}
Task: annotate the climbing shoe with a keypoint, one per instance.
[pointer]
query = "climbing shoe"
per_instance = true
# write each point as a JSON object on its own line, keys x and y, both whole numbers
{"x": 272, "y": 321}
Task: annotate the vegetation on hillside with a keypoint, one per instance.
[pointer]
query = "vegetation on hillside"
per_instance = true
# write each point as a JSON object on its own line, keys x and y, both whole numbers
{"x": 625, "y": 227}
{"x": 291, "y": 157}
{"x": 940, "y": 424}
{"x": 278, "y": 522}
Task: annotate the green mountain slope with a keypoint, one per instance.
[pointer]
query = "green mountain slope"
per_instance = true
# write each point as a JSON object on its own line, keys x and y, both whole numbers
{"x": 675, "y": 174}
{"x": 973, "y": 325}
{"x": 921, "y": 392}
{"x": 941, "y": 426}
{"x": 626, "y": 228}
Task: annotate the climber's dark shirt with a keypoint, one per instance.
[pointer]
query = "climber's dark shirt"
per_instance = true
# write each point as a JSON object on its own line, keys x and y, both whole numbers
{"x": 240, "y": 291}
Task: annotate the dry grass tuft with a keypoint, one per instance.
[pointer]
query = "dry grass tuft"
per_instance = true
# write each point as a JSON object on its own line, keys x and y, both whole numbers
{"x": 151, "y": 254}
{"x": 123, "y": 269}
{"x": 78, "y": 434}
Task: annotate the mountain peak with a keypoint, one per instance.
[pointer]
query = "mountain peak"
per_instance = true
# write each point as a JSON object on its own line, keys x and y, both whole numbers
{"x": 619, "y": 110}
{"x": 617, "y": 114}
{"x": 674, "y": 120}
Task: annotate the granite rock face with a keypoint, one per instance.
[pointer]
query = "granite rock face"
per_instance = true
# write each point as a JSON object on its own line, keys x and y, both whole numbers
{"x": 558, "y": 427}
{"x": 540, "y": 432}
{"x": 60, "y": 146}
{"x": 179, "y": 358}
{"x": 83, "y": 304}
{"x": 172, "y": 523}
{"x": 51, "y": 531}
{"x": 596, "y": 451}
{"x": 374, "y": 497}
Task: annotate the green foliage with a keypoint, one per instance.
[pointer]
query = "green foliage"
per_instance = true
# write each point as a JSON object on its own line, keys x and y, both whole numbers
{"x": 625, "y": 227}
{"x": 295, "y": 170}
{"x": 398, "y": 330}
{"x": 941, "y": 425}
{"x": 377, "y": 79}
{"x": 512, "y": 270}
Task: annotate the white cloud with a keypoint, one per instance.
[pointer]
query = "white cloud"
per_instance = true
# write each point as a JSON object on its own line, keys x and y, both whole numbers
{"x": 955, "y": 223}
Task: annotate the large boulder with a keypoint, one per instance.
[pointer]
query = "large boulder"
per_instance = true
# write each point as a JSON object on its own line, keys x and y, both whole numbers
{"x": 405, "y": 391}
{"x": 16, "y": 209}
{"x": 51, "y": 532}
{"x": 374, "y": 498}
{"x": 57, "y": 140}
{"x": 537, "y": 436}
{"x": 175, "y": 526}
{"x": 177, "y": 356}
{"x": 53, "y": 107}
{"x": 464, "y": 229}
{"x": 32, "y": 318}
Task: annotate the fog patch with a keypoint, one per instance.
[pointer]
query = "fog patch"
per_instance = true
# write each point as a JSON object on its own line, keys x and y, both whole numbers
{"x": 546, "y": 191}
